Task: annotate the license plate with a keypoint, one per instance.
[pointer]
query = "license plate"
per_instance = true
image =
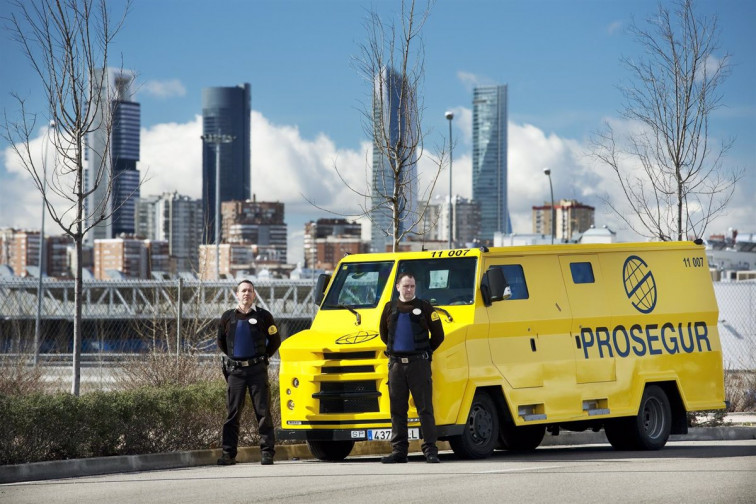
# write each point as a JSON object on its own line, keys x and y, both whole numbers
{"x": 385, "y": 434}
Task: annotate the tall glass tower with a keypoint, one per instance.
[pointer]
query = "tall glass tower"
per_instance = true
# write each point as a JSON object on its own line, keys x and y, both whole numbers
{"x": 394, "y": 117}
{"x": 489, "y": 167}
{"x": 225, "y": 111}
{"x": 113, "y": 151}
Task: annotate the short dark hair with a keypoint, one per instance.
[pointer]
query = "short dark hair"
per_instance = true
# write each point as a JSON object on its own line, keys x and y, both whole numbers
{"x": 404, "y": 274}
{"x": 243, "y": 282}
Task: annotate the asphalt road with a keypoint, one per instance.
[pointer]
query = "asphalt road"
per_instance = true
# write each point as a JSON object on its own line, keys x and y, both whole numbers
{"x": 684, "y": 472}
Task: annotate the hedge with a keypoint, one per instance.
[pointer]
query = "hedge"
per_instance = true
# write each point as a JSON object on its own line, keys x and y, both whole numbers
{"x": 39, "y": 427}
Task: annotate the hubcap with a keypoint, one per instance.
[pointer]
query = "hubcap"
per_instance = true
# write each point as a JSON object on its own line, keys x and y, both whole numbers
{"x": 481, "y": 424}
{"x": 653, "y": 419}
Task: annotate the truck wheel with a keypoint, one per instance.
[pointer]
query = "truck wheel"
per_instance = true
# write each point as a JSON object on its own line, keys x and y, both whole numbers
{"x": 478, "y": 439}
{"x": 649, "y": 430}
{"x": 524, "y": 438}
{"x": 330, "y": 451}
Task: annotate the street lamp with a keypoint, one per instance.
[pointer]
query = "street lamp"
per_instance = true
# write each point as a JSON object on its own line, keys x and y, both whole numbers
{"x": 38, "y": 321}
{"x": 547, "y": 172}
{"x": 217, "y": 139}
{"x": 450, "y": 115}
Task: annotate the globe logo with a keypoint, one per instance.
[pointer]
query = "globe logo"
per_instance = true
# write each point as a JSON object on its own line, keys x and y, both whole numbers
{"x": 640, "y": 285}
{"x": 356, "y": 338}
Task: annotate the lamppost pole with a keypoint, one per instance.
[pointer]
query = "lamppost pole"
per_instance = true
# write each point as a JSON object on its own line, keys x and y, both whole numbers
{"x": 551, "y": 189}
{"x": 450, "y": 115}
{"x": 38, "y": 321}
{"x": 217, "y": 139}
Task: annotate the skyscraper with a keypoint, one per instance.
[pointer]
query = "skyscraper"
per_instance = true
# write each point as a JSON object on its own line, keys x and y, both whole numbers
{"x": 225, "y": 111}
{"x": 394, "y": 115}
{"x": 113, "y": 150}
{"x": 489, "y": 168}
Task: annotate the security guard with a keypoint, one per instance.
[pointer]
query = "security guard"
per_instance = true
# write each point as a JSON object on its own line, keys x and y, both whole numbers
{"x": 404, "y": 327}
{"x": 248, "y": 337}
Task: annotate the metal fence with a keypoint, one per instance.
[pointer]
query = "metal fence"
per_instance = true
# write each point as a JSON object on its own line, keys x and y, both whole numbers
{"x": 131, "y": 316}
{"x": 121, "y": 318}
{"x": 737, "y": 324}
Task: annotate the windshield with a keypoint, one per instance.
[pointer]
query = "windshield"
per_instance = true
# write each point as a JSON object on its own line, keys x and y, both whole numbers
{"x": 443, "y": 281}
{"x": 358, "y": 285}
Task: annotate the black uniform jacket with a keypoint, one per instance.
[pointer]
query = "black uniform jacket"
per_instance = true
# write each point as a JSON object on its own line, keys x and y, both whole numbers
{"x": 265, "y": 325}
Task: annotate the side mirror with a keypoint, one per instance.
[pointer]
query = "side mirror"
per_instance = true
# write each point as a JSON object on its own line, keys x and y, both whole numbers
{"x": 494, "y": 286}
{"x": 320, "y": 287}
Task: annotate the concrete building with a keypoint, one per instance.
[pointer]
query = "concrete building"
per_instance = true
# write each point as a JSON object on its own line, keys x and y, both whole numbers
{"x": 19, "y": 249}
{"x": 489, "y": 166}
{"x": 571, "y": 218}
{"x": 225, "y": 111}
{"x": 732, "y": 256}
{"x": 598, "y": 235}
{"x": 326, "y": 241}
{"x": 177, "y": 220}
{"x": 465, "y": 221}
{"x": 241, "y": 260}
{"x": 57, "y": 264}
{"x": 259, "y": 223}
{"x": 127, "y": 256}
{"x": 112, "y": 156}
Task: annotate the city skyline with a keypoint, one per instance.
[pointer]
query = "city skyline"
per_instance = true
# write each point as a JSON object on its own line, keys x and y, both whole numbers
{"x": 560, "y": 61}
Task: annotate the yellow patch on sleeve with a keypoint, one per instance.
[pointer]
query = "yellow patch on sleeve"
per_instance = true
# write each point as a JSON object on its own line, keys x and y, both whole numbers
{"x": 434, "y": 316}
{"x": 272, "y": 330}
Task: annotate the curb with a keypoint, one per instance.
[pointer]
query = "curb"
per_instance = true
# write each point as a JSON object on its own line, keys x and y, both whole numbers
{"x": 58, "y": 469}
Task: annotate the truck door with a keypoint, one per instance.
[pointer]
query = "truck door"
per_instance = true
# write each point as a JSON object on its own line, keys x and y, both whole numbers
{"x": 529, "y": 333}
{"x": 591, "y": 312}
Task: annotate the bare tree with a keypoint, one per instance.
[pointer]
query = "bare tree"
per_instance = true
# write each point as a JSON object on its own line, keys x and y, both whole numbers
{"x": 66, "y": 42}
{"x": 670, "y": 172}
{"x": 392, "y": 61}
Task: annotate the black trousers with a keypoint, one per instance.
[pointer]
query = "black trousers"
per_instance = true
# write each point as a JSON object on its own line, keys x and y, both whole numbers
{"x": 405, "y": 379}
{"x": 253, "y": 380}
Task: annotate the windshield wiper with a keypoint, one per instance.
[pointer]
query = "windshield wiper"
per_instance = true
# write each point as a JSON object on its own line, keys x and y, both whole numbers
{"x": 448, "y": 315}
{"x": 356, "y": 314}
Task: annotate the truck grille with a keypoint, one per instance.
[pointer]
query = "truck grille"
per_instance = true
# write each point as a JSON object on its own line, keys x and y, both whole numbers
{"x": 348, "y": 397}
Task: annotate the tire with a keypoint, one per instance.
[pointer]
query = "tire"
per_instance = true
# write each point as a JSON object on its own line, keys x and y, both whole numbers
{"x": 649, "y": 429}
{"x": 619, "y": 433}
{"x": 525, "y": 438}
{"x": 478, "y": 439}
{"x": 330, "y": 451}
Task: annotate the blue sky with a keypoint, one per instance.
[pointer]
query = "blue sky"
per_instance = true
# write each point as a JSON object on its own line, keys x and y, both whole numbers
{"x": 560, "y": 59}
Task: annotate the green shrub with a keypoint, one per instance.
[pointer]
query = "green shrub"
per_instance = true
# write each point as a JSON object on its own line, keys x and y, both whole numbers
{"x": 39, "y": 427}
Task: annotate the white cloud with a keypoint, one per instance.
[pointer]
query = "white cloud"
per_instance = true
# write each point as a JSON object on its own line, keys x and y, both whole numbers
{"x": 163, "y": 89}
{"x": 470, "y": 80}
{"x": 171, "y": 158}
{"x": 614, "y": 27}
{"x": 20, "y": 198}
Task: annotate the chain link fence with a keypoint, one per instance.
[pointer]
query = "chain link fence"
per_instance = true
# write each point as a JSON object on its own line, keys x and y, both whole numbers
{"x": 737, "y": 324}
{"x": 126, "y": 318}
{"x": 121, "y": 319}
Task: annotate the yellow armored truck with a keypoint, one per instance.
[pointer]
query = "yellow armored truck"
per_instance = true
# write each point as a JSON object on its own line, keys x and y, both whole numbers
{"x": 621, "y": 337}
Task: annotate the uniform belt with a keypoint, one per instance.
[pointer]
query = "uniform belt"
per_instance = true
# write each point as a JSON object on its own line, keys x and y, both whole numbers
{"x": 406, "y": 359}
{"x": 247, "y": 362}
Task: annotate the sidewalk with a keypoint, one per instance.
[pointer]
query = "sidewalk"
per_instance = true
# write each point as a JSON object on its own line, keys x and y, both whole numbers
{"x": 737, "y": 426}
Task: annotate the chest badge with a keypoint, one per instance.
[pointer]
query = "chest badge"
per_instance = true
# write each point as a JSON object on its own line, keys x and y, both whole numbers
{"x": 417, "y": 311}
{"x": 252, "y": 321}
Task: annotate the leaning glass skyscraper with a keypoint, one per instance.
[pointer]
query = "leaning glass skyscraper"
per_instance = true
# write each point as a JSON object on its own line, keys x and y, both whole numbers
{"x": 395, "y": 137}
{"x": 225, "y": 111}
{"x": 489, "y": 168}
